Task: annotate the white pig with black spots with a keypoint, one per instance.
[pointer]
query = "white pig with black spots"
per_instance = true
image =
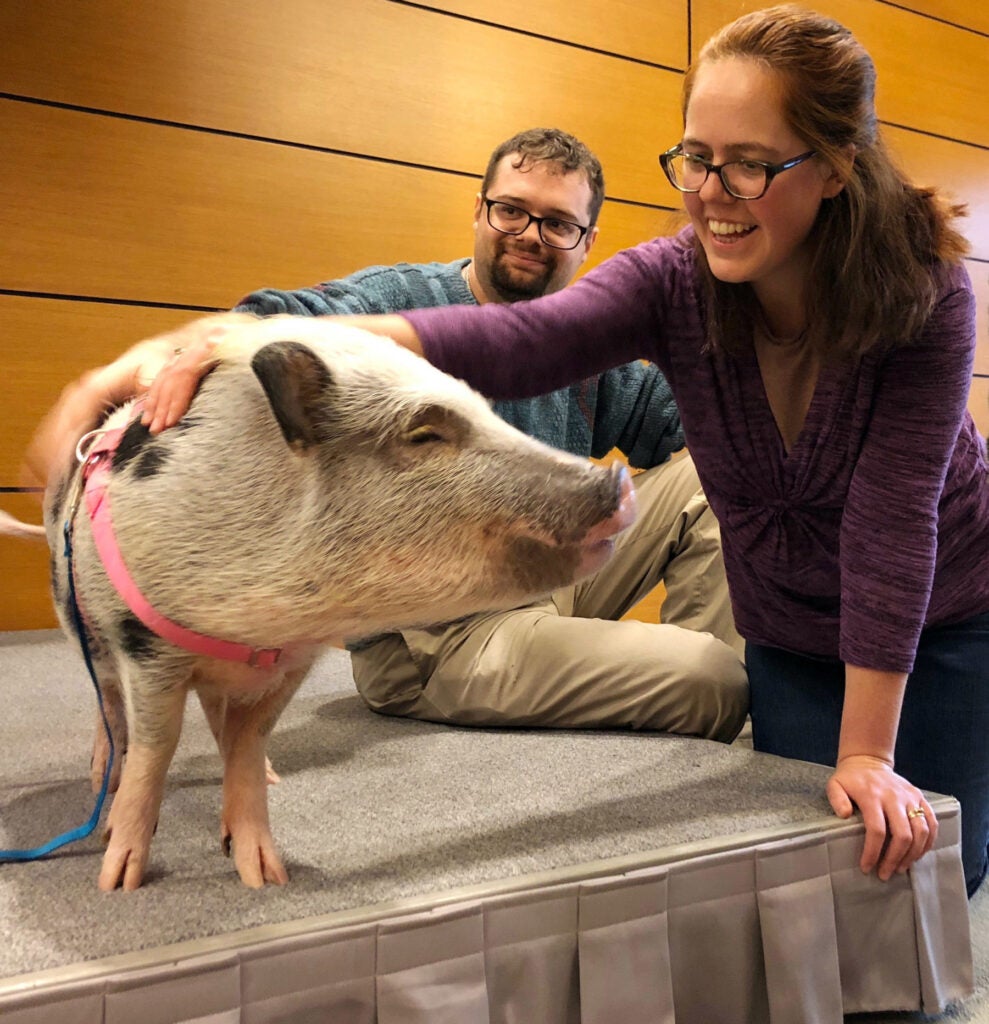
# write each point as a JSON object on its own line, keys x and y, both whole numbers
{"x": 325, "y": 485}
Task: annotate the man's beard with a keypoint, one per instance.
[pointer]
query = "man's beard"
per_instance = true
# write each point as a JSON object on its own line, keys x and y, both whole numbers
{"x": 513, "y": 286}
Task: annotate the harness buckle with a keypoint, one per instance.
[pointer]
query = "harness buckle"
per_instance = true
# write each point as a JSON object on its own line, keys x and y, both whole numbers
{"x": 262, "y": 657}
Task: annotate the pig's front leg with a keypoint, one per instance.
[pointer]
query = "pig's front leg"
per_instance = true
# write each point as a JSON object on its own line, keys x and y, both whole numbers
{"x": 154, "y": 713}
{"x": 244, "y": 824}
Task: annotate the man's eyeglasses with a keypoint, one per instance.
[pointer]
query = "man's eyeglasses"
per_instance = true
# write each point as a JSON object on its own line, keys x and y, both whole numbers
{"x": 512, "y": 220}
{"x": 743, "y": 179}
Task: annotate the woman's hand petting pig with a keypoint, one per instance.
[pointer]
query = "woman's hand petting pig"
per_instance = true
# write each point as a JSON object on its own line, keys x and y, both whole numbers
{"x": 170, "y": 392}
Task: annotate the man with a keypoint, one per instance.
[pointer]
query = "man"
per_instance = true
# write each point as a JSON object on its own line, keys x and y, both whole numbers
{"x": 563, "y": 661}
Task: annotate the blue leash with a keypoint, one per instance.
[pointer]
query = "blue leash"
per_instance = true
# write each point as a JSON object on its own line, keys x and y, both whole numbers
{"x": 83, "y": 830}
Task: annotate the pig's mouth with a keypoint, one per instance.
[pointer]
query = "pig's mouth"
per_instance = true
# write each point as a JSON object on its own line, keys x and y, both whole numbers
{"x": 595, "y": 556}
{"x": 592, "y": 548}
{"x": 598, "y": 544}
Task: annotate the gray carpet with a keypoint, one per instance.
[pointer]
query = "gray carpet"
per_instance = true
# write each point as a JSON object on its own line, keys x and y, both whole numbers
{"x": 370, "y": 810}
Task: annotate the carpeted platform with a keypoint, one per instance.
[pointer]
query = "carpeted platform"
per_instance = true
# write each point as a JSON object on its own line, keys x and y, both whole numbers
{"x": 372, "y": 812}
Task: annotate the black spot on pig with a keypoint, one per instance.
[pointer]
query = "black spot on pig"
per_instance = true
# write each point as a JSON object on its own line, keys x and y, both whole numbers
{"x": 151, "y": 461}
{"x": 148, "y": 454}
{"x": 59, "y": 589}
{"x": 132, "y": 442}
{"x": 186, "y": 423}
{"x": 136, "y": 639}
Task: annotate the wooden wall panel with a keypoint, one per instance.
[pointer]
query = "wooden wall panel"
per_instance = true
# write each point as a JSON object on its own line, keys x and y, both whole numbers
{"x": 151, "y": 213}
{"x": 978, "y": 404}
{"x": 649, "y": 30}
{"x": 931, "y": 74}
{"x": 624, "y": 225}
{"x": 962, "y": 172}
{"x": 979, "y": 272}
{"x": 148, "y": 213}
{"x": 363, "y": 76}
{"x": 25, "y": 597}
{"x": 161, "y": 214}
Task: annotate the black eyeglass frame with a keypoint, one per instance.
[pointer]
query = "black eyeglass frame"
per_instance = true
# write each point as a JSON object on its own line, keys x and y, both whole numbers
{"x": 771, "y": 170}
{"x": 538, "y": 222}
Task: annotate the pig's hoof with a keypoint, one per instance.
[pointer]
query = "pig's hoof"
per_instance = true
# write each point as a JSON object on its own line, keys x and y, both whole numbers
{"x": 272, "y": 871}
{"x": 123, "y": 867}
{"x": 271, "y": 776}
{"x": 256, "y": 861}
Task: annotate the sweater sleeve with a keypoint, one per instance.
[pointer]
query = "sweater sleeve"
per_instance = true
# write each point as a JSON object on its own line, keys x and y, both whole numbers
{"x": 378, "y": 289}
{"x": 612, "y": 315}
{"x": 636, "y": 413}
{"x": 889, "y": 528}
{"x": 328, "y": 299}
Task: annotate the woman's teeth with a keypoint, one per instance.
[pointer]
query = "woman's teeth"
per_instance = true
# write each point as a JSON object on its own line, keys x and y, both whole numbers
{"x": 726, "y": 228}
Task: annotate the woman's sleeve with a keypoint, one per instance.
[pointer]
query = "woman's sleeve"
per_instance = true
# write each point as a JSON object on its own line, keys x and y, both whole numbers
{"x": 890, "y": 522}
{"x": 609, "y": 317}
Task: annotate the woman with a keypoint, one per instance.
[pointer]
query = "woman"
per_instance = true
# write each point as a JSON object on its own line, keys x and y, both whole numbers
{"x": 817, "y": 327}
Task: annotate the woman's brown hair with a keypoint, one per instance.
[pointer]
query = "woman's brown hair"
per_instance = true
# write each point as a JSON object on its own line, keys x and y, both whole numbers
{"x": 871, "y": 284}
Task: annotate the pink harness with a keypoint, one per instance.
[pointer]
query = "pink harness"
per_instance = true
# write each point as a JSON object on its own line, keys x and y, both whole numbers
{"x": 96, "y": 477}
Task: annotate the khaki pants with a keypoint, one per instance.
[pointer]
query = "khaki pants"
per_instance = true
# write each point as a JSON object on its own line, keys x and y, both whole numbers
{"x": 565, "y": 662}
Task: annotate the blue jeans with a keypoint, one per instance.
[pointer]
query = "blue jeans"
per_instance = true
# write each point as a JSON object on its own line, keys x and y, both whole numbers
{"x": 943, "y": 740}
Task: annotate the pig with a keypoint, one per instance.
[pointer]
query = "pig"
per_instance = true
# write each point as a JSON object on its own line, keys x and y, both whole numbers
{"x": 325, "y": 485}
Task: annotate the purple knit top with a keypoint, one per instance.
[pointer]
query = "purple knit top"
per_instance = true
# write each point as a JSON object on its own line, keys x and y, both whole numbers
{"x": 874, "y": 526}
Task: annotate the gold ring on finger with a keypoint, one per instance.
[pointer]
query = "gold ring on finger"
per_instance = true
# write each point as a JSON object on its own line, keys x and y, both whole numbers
{"x": 917, "y": 812}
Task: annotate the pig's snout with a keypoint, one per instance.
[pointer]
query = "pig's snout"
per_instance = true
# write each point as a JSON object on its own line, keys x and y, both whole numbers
{"x": 624, "y": 514}
{"x": 599, "y": 542}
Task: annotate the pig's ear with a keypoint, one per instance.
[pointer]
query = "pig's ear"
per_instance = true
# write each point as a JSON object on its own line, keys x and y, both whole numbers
{"x": 297, "y": 384}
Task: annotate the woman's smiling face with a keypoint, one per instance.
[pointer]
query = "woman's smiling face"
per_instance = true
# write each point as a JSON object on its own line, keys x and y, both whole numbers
{"x": 735, "y": 112}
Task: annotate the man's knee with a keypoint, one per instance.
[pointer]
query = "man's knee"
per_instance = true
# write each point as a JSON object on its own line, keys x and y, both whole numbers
{"x": 722, "y": 677}
{"x": 711, "y": 689}
{"x": 386, "y": 676}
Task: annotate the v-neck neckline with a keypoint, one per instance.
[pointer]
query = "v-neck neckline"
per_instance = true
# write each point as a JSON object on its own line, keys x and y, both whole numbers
{"x": 787, "y": 456}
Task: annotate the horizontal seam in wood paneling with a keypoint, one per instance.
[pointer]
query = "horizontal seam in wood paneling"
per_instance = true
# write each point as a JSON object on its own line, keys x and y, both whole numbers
{"x": 643, "y": 205}
{"x": 313, "y": 148}
{"x": 932, "y": 17}
{"x": 146, "y": 303}
{"x": 935, "y": 135}
{"x": 537, "y": 35}
{"x": 228, "y": 133}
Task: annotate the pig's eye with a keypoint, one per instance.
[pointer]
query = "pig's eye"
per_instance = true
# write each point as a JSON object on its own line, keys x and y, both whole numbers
{"x": 424, "y": 435}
